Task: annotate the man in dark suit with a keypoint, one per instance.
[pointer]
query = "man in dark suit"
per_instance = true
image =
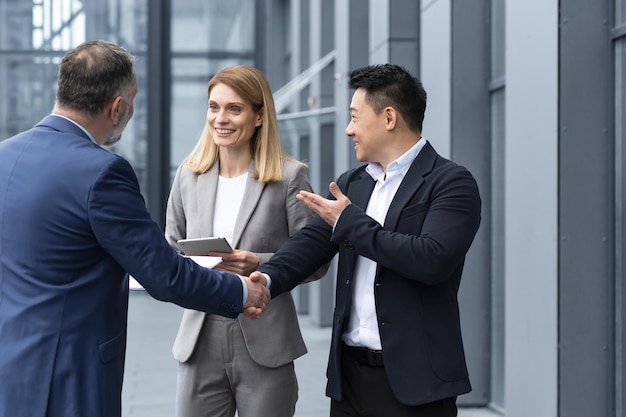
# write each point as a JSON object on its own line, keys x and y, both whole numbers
{"x": 72, "y": 224}
{"x": 402, "y": 226}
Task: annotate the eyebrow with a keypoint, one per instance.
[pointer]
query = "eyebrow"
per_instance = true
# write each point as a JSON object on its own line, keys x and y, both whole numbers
{"x": 234, "y": 103}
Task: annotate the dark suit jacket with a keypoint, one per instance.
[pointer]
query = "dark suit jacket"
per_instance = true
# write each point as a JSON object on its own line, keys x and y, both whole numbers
{"x": 420, "y": 252}
{"x": 72, "y": 223}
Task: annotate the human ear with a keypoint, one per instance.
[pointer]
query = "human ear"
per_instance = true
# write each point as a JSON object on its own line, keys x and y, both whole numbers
{"x": 259, "y": 118}
{"x": 116, "y": 109}
{"x": 391, "y": 117}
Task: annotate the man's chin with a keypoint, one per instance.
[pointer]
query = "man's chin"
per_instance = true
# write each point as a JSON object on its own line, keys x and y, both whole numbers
{"x": 113, "y": 140}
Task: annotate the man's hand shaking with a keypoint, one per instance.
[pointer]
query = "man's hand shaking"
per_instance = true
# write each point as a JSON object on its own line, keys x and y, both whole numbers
{"x": 258, "y": 297}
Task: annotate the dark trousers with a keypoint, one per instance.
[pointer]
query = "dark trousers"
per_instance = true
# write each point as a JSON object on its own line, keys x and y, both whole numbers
{"x": 366, "y": 393}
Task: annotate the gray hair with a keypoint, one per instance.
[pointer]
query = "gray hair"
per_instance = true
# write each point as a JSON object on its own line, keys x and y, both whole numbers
{"x": 93, "y": 74}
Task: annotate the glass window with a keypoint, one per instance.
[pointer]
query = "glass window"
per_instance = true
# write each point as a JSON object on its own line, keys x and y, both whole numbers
{"x": 34, "y": 36}
{"x": 206, "y": 37}
{"x": 200, "y": 25}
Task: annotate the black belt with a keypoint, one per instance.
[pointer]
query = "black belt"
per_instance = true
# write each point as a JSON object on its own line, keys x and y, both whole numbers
{"x": 364, "y": 356}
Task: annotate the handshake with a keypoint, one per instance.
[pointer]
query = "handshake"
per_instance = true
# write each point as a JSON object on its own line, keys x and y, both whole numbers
{"x": 258, "y": 295}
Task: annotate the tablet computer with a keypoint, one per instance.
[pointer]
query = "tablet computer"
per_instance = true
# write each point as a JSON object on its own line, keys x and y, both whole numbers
{"x": 204, "y": 245}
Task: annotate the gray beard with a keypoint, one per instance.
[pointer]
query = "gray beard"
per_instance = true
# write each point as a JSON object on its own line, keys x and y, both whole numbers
{"x": 113, "y": 140}
{"x": 116, "y": 134}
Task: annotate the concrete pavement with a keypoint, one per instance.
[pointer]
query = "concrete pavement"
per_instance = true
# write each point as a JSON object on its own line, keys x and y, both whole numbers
{"x": 150, "y": 375}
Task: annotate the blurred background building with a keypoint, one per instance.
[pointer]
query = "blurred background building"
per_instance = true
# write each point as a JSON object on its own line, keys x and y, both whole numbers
{"x": 529, "y": 95}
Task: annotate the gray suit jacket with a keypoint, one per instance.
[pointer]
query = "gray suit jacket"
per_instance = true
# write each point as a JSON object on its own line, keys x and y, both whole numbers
{"x": 269, "y": 214}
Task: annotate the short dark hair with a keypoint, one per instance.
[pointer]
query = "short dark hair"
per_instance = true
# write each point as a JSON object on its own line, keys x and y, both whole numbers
{"x": 392, "y": 85}
{"x": 92, "y": 74}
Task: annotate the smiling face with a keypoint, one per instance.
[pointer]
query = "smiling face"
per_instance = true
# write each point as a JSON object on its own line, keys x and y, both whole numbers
{"x": 367, "y": 130}
{"x": 232, "y": 120}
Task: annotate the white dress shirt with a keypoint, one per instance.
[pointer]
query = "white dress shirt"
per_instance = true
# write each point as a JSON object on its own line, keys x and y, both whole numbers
{"x": 362, "y": 328}
{"x": 227, "y": 202}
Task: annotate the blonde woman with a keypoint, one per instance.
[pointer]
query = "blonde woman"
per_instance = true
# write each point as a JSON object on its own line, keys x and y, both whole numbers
{"x": 239, "y": 183}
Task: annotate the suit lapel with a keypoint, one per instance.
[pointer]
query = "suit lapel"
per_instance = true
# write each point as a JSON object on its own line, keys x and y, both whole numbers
{"x": 359, "y": 194}
{"x": 360, "y": 190}
{"x": 251, "y": 197}
{"x": 205, "y": 195}
{"x": 411, "y": 183}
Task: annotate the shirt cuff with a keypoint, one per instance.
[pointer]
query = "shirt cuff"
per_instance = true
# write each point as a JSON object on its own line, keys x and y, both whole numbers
{"x": 336, "y": 221}
{"x": 245, "y": 290}
{"x": 268, "y": 280}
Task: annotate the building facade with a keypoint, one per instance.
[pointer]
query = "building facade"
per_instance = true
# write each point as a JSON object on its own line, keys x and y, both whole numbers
{"x": 529, "y": 95}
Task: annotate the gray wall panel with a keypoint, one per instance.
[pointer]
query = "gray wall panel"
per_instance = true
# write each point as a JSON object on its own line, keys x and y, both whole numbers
{"x": 531, "y": 208}
{"x": 585, "y": 211}
{"x": 470, "y": 146}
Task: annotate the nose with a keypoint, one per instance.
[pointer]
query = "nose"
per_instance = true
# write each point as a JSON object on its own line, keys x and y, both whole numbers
{"x": 349, "y": 130}
{"x": 221, "y": 117}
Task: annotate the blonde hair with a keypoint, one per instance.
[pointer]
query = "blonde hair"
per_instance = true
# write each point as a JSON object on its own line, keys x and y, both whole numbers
{"x": 265, "y": 147}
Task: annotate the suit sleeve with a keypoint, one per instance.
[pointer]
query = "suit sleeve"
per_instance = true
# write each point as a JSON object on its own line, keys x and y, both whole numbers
{"x": 305, "y": 254}
{"x": 432, "y": 235}
{"x": 296, "y": 214}
{"x": 123, "y": 227}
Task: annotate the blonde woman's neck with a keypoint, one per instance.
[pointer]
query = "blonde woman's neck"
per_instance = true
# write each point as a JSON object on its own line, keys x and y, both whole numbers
{"x": 233, "y": 164}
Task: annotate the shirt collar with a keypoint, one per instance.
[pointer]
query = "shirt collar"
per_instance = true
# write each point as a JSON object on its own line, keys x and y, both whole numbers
{"x": 79, "y": 126}
{"x": 401, "y": 165}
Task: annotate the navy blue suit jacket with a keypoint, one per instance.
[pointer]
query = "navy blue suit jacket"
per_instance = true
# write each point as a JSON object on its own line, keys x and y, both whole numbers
{"x": 72, "y": 224}
{"x": 420, "y": 252}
